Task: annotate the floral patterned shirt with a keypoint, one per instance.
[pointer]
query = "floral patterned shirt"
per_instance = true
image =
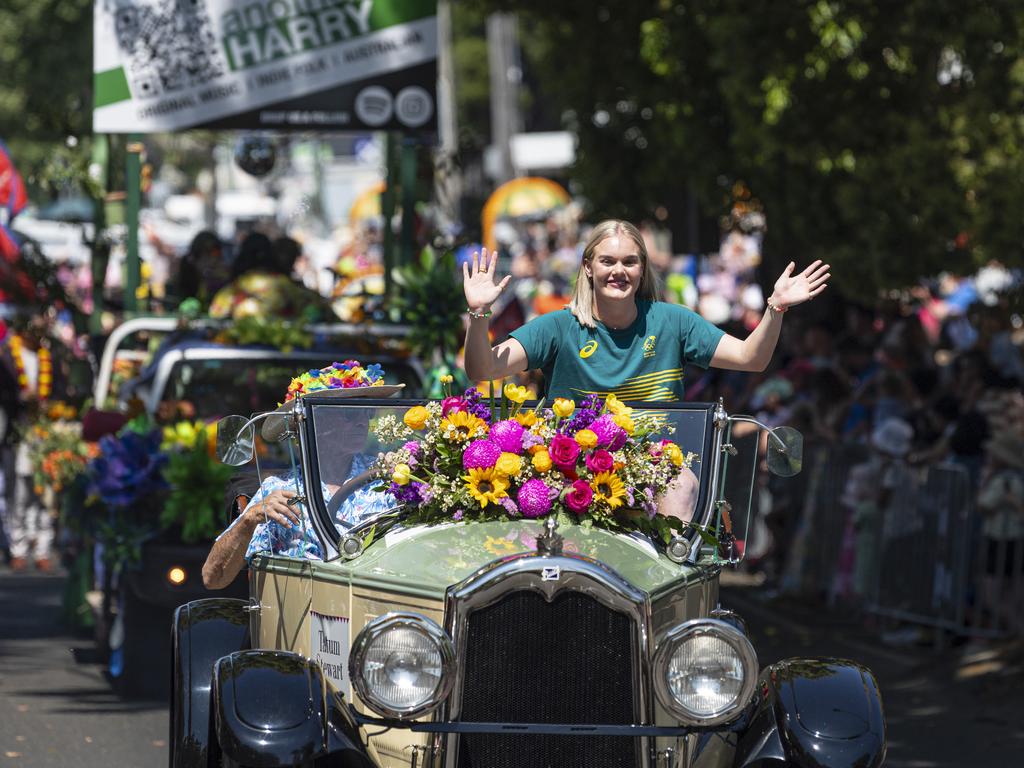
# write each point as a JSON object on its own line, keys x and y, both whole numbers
{"x": 271, "y": 537}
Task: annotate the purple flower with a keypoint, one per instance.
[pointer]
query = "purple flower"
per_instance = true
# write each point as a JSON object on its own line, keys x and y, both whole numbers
{"x": 409, "y": 494}
{"x": 127, "y": 469}
{"x": 534, "y": 498}
{"x": 608, "y": 433}
{"x": 585, "y": 413}
{"x": 457, "y": 515}
{"x": 481, "y": 454}
{"x": 508, "y": 435}
{"x": 509, "y": 505}
{"x": 474, "y": 404}
{"x": 530, "y": 440}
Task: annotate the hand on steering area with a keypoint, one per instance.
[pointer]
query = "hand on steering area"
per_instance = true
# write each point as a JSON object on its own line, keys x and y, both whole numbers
{"x": 274, "y": 506}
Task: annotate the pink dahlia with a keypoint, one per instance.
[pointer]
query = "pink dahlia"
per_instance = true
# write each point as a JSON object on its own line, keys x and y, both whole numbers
{"x": 609, "y": 434}
{"x": 508, "y": 435}
{"x": 534, "y": 498}
{"x": 480, "y": 454}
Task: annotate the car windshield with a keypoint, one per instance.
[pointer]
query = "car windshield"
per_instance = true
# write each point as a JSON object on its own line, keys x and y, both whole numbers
{"x": 345, "y": 445}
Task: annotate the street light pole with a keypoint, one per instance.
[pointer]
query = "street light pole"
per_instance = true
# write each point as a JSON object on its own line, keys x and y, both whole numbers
{"x": 133, "y": 199}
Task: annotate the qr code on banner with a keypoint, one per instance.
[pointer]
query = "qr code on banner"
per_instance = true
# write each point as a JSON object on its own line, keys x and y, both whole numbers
{"x": 170, "y": 45}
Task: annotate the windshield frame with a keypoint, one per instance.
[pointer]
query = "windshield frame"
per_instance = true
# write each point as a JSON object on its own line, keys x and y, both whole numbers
{"x": 710, "y": 456}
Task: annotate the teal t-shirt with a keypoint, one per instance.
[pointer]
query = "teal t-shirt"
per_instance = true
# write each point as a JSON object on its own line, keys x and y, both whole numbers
{"x": 642, "y": 362}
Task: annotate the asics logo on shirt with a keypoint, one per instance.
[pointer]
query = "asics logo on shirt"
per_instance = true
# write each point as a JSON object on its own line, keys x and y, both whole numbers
{"x": 588, "y": 349}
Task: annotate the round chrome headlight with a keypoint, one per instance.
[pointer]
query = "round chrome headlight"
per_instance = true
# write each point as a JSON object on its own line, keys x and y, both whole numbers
{"x": 401, "y": 665}
{"x": 704, "y": 672}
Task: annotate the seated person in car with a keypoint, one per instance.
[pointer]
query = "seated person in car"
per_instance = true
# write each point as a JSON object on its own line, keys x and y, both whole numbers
{"x": 273, "y": 522}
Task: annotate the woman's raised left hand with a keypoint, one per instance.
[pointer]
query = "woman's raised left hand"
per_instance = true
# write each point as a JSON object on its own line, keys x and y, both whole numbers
{"x": 791, "y": 289}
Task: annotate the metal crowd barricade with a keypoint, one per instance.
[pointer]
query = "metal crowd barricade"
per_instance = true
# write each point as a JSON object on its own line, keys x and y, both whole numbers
{"x": 924, "y": 556}
{"x": 922, "y": 544}
{"x": 818, "y": 531}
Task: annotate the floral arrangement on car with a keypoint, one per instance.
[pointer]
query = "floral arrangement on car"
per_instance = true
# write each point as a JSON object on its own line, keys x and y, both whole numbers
{"x": 463, "y": 458}
{"x": 350, "y": 373}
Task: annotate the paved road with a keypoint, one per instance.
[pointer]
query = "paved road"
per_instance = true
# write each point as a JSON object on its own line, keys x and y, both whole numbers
{"x": 958, "y": 707}
{"x": 56, "y": 708}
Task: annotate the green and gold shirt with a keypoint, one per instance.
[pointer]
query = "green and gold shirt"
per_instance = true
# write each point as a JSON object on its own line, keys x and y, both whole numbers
{"x": 642, "y": 362}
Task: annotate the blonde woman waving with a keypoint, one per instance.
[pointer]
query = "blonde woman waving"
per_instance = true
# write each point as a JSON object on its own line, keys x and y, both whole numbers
{"x": 615, "y": 337}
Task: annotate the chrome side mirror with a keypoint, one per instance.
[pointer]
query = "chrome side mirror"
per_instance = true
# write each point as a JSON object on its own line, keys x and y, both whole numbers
{"x": 785, "y": 447}
{"x": 785, "y": 451}
{"x": 235, "y": 440}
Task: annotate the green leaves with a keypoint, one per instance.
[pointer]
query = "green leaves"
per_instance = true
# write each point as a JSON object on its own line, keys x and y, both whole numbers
{"x": 431, "y": 302}
{"x": 196, "y": 499}
{"x": 280, "y": 334}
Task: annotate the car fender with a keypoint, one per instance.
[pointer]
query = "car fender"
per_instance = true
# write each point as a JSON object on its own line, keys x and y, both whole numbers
{"x": 202, "y": 632}
{"x": 274, "y": 708}
{"x": 814, "y": 712}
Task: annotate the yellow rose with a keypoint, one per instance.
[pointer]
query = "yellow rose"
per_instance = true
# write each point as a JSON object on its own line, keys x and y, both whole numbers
{"x": 508, "y": 464}
{"x": 674, "y": 454}
{"x": 616, "y": 406}
{"x": 625, "y": 422}
{"x": 402, "y": 474}
{"x": 516, "y": 394}
{"x": 563, "y": 407}
{"x": 541, "y": 461}
{"x": 587, "y": 439}
{"x": 416, "y": 417}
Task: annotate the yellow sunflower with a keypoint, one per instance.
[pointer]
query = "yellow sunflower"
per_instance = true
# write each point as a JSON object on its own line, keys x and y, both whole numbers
{"x": 608, "y": 488}
{"x": 486, "y": 485}
{"x": 461, "y": 426}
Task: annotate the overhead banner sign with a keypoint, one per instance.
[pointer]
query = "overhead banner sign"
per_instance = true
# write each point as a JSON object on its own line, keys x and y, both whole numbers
{"x": 166, "y": 65}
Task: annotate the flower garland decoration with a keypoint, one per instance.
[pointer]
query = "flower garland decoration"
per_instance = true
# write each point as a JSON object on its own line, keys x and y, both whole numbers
{"x": 45, "y": 375}
{"x": 350, "y": 373}
{"x": 598, "y": 462}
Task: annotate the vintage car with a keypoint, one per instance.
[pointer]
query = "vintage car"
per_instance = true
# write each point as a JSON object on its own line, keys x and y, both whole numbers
{"x": 508, "y": 643}
{"x": 214, "y": 379}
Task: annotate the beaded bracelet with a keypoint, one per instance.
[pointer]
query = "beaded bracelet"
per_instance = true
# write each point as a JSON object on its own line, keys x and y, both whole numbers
{"x": 478, "y": 315}
{"x": 776, "y": 308}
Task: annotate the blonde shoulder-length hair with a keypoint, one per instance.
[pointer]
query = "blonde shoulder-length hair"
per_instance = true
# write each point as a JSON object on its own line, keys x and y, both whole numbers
{"x": 582, "y": 303}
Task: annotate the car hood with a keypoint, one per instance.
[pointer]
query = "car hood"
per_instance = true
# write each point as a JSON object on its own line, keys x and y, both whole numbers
{"x": 426, "y": 560}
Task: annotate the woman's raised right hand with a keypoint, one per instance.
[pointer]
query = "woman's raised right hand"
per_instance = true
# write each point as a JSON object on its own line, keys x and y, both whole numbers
{"x": 478, "y": 281}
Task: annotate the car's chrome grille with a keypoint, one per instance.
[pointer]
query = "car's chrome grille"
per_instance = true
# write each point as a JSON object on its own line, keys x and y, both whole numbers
{"x": 531, "y": 661}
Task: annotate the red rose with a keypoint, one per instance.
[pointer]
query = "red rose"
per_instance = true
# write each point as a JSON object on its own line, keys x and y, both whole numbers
{"x": 600, "y": 461}
{"x": 564, "y": 451}
{"x": 579, "y": 497}
{"x": 452, "y": 405}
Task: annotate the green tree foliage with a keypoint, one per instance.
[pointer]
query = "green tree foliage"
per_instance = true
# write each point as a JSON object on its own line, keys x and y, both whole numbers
{"x": 45, "y": 77}
{"x": 883, "y": 137}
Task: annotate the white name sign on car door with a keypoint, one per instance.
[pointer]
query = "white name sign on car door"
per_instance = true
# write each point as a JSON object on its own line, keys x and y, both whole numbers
{"x": 328, "y": 644}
